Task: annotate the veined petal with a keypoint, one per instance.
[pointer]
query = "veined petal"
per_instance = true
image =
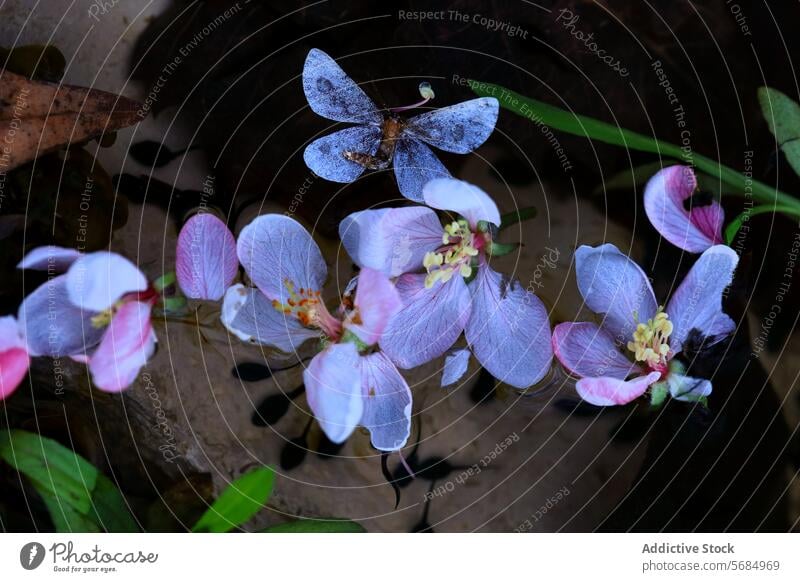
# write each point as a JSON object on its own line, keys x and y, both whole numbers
{"x": 51, "y": 325}
{"x": 692, "y": 230}
{"x": 508, "y": 331}
{"x": 377, "y": 301}
{"x": 391, "y": 240}
{"x": 387, "y": 403}
{"x": 14, "y": 359}
{"x": 250, "y": 316}
{"x": 455, "y": 366}
{"x": 688, "y": 389}
{"x": 615, "y": 287}
{"x": 697, "y": 303}
{"x": 429, "y": 322}
{"x": 277, "y": 252}
{"x": 414, "y": 166}
{"x": 52, "y": 258}
{"x": 587, "y": 350}
{"x": 206, "y": 261}
{"x": 127, "y": 344}
{"x": 333, "y": 388}
{"x": 463, "y": 198}
{"x": 98, "y": 280}
{"x": 613, "y": 391}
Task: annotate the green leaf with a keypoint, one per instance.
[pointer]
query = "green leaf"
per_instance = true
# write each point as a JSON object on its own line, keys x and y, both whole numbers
{"x": 733, "y": 228}
{"x": 53, "y": 468}
{"x": 584, "y": 126}
{"x": 783, "y": 117}
{"x": 78, "y": 497}
{"x": 316, "y": 526}
{"x": 164, "y": 281}
{"x": 497, "y": 249}
{"x": 515, "y": 216}
{"x": 240, "y": 501}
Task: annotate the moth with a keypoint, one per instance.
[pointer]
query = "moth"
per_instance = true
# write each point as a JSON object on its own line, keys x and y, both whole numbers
{"x": 381, "y": 138}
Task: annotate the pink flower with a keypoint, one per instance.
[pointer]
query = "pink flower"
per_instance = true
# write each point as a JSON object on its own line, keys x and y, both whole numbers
{"x": 97, "y": 312}
{"x": 206, "y": 262}
{"x": 506, "y": 326}
{"x": 14, "y": 359}
{"x": 636, "y": 342}
{"x": 666, "y": 197}
{"x": 349, "y": 382}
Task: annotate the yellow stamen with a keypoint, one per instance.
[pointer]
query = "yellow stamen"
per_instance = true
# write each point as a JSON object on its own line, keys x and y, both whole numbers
{"x": 454, "y": 258}
{"x": 651, "y": 340}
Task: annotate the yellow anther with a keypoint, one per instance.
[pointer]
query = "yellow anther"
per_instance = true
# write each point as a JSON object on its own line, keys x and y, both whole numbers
{"x": 454, "y": 257}
{"x": 103, "y": 318}
{"x": 651, "y": 340}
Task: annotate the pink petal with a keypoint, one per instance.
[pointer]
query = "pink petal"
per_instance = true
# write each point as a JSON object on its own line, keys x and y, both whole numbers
{"x": 391, "y": 240}
{"x": 206, "y": 261}
{"x": 277, "y": 251}
{"x": 127, "y": 344}
{"x": 697, "y": 303}
{"x": 615, "y": 287}
{"x": 333, "y": 389}
{"x": 13, "y": 367}
{"x": 664, "y": 197}
{"x": 52, "y": 258}
{"x": 508, "y": 331}
{"x": 98, "y": 280}
{"x": 377, "y": 302}
{"x": 429, "y": 322}
{"x": 586, "y": 350}
{"x": 387, "y": 403}
{"x": 462, "y": 198}
{"x": 250, "y": 316}
{"x": 612, "y": 391}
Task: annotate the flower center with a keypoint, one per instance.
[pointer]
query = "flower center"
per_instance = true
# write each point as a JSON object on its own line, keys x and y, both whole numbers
{"x": 459, "y": 246}
{"x": 651, "y": 341}
{"x": 308, "y": 307}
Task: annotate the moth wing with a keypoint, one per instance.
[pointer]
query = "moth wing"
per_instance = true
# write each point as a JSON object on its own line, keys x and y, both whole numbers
{"x": 325, "y": 156}
{"x": 460, "y": 128}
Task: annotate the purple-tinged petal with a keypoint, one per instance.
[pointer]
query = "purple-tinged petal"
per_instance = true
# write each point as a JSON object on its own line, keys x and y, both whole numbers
{"x": 688, "y": 389}
{"x": 98, "y": 280}
{"x": 462, "y": 198}
{"x": 325, "y": 156}
{"x": 277, "y": 251}
{"x": 697, "y": 303}
{"x": 414, "y": 166}
{"x": 49, "y": 258}
{"x": 333, "y": 388}
{"x": 616, "y": 288}
{"x": 588, "y": 351}
{"x": 250, "y": 316}
{"x": 334, "y": 95}
{"x": 455, "y": 366}
{"x": 387, "y": 403}
{"x": 459, "y": 128}
{"x": 664, "y": 197}
{"x": 391, "y": 240}
{"x": 613, "y": 391}
{"x": 52, "y": 325}
{"x": 429, "y": 322}
{"x": 127, "y": 344}
{"x": 206, "y": 261}
{"x": 14, "y": 359}
{"x": 377, "y": 301}
{"x": 508, "y": 331}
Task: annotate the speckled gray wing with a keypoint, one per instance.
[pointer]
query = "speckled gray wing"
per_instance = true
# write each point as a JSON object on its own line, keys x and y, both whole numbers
{"x": 334, "y": 95}
{"x": 459, "y": 128}
{"x": 325, "y": 156}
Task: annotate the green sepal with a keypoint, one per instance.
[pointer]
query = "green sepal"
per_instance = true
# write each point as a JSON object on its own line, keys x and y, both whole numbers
{"x": 658, "y": 394}
{"x": 164, "y": 281}
{"x": 515, "y": 216}
{"x": 173, "y": 305}
{"x": 497, "y": 249}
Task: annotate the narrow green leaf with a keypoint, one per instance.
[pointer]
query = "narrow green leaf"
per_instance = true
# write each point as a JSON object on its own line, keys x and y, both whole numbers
{"x": 783, "y": 117}
{"x": 316, "y": 526}
{"x": 51, "y": 467}
{"x": 733, "y": 227}
{"x": 584, "y": 126}
{"x": 515, "y": 216}
{"x": 66, "y": 519}
{"x": 240, "y": 501}
{"x": 109, "y": 508}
